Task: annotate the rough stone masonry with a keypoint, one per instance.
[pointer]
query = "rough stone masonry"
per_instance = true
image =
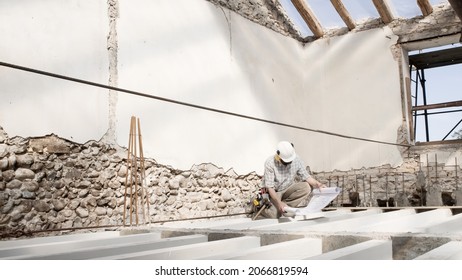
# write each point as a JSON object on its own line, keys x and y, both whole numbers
{"x": 49, "y": 183}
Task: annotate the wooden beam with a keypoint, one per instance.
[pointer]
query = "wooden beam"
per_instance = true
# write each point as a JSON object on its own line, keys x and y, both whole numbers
{"x": 457, "y": 6}
{"x": 438, "y": 106}
{"x": 425, "y": 7}
{"x": 344, "y": 14}
{"x": 384, "y": 10}
{"x": 309, "y": 17}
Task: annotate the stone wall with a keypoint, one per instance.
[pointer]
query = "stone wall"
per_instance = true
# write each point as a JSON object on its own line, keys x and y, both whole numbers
{"x": 49, "y": 183}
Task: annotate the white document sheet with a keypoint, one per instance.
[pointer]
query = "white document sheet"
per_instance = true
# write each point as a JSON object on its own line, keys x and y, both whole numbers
{"x": 320, "y": 199}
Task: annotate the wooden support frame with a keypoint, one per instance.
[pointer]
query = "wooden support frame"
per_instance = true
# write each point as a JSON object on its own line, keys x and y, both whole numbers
{"x": 425, "y": 7}
{"x": 135, "y": 178}
{"x": 384, "y": 10}
{"x": 344, "y": 14}
{"x": 309, "y": 17}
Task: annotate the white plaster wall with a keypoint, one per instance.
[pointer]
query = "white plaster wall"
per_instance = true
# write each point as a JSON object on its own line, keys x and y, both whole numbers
{"x": 64, "y": 37}
{"x": 352, "y": 87}
{"x": 193, "y": 51}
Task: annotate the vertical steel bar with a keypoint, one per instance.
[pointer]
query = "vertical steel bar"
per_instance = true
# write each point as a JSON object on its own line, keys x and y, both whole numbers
{"x": 364, "y": 190}
{"x": 370, "y": 188}
{"x": 457, "y": 178}
{"x": 386, "y": 188}
{"x": 404, "y": 191}
{"x": 436, "y": 168}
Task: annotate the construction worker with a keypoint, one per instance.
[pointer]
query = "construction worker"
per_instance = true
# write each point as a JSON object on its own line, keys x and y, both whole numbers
{"x": 287, "y": 181}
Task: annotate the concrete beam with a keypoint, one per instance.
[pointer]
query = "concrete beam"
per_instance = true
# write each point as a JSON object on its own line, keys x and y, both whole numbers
{"x": 331, "y": 216}
{"x": 368, "y": 250}
{"x": 61, "y": 238}
{"x": 449, "y": 251}
{"x": 290, "y": 250}
{"x": 356, "y": 222}
{"x": 194, "y": 251}
{"x": 450, "y": 225}
{"x": 408, "y": 223}
{"x": 124, "y": 246}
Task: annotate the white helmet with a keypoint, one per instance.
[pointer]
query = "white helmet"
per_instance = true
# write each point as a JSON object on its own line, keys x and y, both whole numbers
{"x": 286, "y": 151}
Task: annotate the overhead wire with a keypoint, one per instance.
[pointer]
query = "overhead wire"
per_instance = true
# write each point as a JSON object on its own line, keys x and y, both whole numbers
{"x": 182, "y": 103}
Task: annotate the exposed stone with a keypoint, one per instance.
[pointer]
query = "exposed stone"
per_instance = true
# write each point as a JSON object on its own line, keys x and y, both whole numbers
{"x": 23, "y": 173}
{"x": 3, "y": 163}
{"x": 81, "y": 212}
{"x": 28, "y": 195}
{"x": 24, "y": 160}
{"x": 226, "y": 195}
{"x": 58, "y": 205}
{"x": 14, "y": 184}
{"x": 41, "y": 206}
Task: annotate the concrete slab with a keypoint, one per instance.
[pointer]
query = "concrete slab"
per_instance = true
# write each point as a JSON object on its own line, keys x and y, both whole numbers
{"x": 191, "y": 252}
{"x": 368, "y": 250}
{"x": 117, "y": 247}
{"x": 449, "y": 251}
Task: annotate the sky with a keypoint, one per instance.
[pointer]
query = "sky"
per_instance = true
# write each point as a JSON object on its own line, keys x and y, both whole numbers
{"x": 442, "y": 84}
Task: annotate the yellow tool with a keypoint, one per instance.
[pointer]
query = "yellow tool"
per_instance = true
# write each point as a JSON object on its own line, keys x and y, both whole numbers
{"x": 261, "y": 202}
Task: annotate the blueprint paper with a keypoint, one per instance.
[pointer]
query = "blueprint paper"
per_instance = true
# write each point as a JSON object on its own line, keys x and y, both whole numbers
{"x": 320, "y": 199}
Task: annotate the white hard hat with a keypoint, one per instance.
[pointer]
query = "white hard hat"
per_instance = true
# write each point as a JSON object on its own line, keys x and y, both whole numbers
{"x": 286, "y": 151}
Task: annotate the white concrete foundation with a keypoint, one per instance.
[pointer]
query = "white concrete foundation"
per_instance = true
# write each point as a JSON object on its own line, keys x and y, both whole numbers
{"x": 347, "y": 234}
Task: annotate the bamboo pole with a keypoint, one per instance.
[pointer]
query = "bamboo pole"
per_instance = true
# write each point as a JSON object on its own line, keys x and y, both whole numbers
{"x": 135, "y": 179}
{"x": 143, "y": 174}
{"x": 128, "y": 171}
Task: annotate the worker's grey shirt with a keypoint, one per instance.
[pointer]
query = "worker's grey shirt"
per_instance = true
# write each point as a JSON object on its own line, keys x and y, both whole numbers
{"x": 280, "y": 176}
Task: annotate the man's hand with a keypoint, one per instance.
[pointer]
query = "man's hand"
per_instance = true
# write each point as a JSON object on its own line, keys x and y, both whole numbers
{"x": 281, "y": 205}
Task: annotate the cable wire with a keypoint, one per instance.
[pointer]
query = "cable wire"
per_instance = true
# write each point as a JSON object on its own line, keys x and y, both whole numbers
{"x": 118, "y": 89}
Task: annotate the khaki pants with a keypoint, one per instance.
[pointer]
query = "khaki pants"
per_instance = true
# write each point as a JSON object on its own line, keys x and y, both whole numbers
{"x": 294, "y": 196}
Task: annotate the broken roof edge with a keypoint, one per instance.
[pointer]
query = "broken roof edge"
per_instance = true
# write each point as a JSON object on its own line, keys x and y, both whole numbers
{"x": 267, "y": 13}
{"x": 271, "y": 14}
